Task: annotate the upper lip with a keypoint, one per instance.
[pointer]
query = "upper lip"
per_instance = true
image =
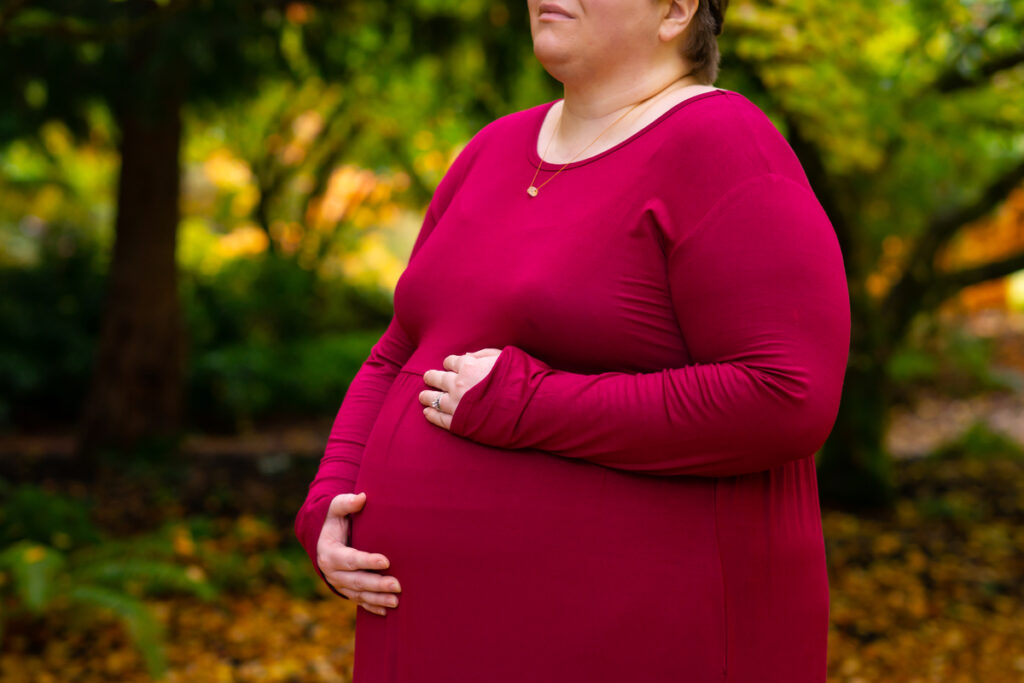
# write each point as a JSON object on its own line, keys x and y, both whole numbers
{"x": 553, "y": 7}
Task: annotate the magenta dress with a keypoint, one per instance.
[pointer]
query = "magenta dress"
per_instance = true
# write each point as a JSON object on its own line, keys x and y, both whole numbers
{"x": 630, "y": 493}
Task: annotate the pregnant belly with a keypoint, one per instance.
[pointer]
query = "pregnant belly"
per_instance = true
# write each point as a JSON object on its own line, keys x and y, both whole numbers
{"x": 517, "y": 532}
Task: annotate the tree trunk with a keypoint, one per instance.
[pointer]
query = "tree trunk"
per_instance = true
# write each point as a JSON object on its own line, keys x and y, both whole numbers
{"x": 136, "y": 390}
{"x": 854, "y": 470}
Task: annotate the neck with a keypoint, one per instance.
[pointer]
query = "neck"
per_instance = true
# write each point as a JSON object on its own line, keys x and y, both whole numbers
{"x": 590, "y": 105}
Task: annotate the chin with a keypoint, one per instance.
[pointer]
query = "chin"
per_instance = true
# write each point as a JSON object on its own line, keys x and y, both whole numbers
{"x": 557, "y": 71}
{"x": 553, "y": 57}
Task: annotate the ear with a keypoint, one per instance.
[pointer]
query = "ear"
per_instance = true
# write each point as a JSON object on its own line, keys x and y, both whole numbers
{"x": 677, "y": 16}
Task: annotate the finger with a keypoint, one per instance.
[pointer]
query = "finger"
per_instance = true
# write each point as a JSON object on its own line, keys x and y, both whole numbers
{"x": 427, "y": 397}
{"x": 483, "y": 353}
{"x": 344, "y": 503}
{"x": 432, "y": 416}
{"x": 440, "y": 379}
{"x": 379, "y": 599}
{"x": 436, "y": 417}
{"x": 453, "y": 362}
{"x": 373, "y": 602}
{"x": 367, "y": 581}
{"x": 382, "y": 611}
{"x": 347, "y": 558}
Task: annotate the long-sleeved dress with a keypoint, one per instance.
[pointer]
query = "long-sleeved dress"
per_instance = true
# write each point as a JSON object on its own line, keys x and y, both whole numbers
{"x": 630, "y": 493}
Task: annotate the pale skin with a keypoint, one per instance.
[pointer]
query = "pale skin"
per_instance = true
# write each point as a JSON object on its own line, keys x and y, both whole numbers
{"x": 582, "y": 48}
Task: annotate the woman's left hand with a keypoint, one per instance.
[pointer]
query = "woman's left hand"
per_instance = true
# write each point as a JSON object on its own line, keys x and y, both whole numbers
{"x": 462, "y": 372}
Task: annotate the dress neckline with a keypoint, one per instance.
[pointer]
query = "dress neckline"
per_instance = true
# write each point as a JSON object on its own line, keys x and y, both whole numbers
{"x": 542, "y": 110}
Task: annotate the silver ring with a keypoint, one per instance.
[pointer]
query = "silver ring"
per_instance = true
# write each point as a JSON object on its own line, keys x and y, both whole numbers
{"x": 437, "y": 402}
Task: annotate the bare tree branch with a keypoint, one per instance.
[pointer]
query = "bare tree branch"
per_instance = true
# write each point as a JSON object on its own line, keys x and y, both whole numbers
{"x": 920, "y": 276}
{"x": 76, "y": 31}
{"x": 945, "y": 224}
{"x": 950, "y": 283}
{"x": 952, "y": 80}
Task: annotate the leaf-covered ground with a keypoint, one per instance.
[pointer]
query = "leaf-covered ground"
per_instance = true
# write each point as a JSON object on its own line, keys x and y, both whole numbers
{"x": 931, "y": 592}
{"x": 934, "y": 591}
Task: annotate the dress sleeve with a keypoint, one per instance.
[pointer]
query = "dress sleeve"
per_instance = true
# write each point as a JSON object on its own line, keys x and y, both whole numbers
{"x": 361, "y": 404}
{"x": 760, "y": 293}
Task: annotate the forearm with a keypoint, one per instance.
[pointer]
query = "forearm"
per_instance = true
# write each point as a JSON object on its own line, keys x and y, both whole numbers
{"x": 759, "y": 291}
{"x": 339, "y": 465}
{"x": 716, "y": 419}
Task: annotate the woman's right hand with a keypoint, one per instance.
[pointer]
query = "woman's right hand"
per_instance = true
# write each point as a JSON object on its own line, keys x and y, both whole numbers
{"x": 345, "y": 567}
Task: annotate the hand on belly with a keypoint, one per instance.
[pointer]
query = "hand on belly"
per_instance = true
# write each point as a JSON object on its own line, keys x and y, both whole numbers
{"x": 353, "y": 573}
{"x": 462, "y": 373}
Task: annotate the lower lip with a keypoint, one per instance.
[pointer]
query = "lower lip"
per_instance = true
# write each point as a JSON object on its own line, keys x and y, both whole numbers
{"x": 553, "y": 16}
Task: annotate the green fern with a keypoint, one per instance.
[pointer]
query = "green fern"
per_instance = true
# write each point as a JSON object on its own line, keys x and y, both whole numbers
{"x": 145, "y": 631}
{"x": 154, "y": 576}
{"x": 104, "y": 577}
{"x": 34, "y": 569}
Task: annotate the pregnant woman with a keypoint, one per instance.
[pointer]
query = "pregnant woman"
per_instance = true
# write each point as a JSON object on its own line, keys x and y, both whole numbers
{"x": 584, "y": 447}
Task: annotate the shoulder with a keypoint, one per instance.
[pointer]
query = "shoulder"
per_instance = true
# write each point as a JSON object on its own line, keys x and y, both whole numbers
{"x": 724, "y": 154}
{"x": 730, "y": 138}
{"x": 715, "y": 146}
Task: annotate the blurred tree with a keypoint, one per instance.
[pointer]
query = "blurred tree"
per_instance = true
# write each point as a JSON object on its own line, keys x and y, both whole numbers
{"x": 909, "y": 121}
{"x": 144, "y": 60}
{"x": 148, "y": 61}
{"x": 906, "y": 116}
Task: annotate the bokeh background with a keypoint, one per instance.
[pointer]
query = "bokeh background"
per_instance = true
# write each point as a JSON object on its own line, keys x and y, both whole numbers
{"x": 205, "y": 206}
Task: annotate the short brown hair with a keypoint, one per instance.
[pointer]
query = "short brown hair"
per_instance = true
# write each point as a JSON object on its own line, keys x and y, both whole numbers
{"x": 700, "y": 46}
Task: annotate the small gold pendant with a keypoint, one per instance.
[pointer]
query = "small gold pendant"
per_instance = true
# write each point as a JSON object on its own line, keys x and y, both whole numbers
{"x": 532, "y": 191}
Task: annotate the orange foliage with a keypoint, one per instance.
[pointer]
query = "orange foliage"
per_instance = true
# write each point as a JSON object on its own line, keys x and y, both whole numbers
{"x": 989, "y": 239}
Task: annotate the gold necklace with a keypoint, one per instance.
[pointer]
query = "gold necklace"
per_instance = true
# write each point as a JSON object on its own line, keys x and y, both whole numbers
{"x": 533, "y": 191}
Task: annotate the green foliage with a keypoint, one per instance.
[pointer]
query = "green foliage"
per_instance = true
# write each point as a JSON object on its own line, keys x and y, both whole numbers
{"x": 944, "y": 359}
{"x": 145, "y": 631}
{"x": 253, "y": 379}
{"x": 267, "y": 337}
{"x": 49, "y": 314}
{"x": 241, "y": 556}
{"x": 94, "y": 581}
{"x": 32, "y": 514}
{"x": 979, "y": 442}
{"x": 289, "y": 566}
{"x": 62, "y": 562}
{"x": 950, "y": 507}
{"x": 903, "y": 114}
{"x": 272, "y": 299}
{"x": 57, "y": 60}
{"x": 34, "y": 570}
